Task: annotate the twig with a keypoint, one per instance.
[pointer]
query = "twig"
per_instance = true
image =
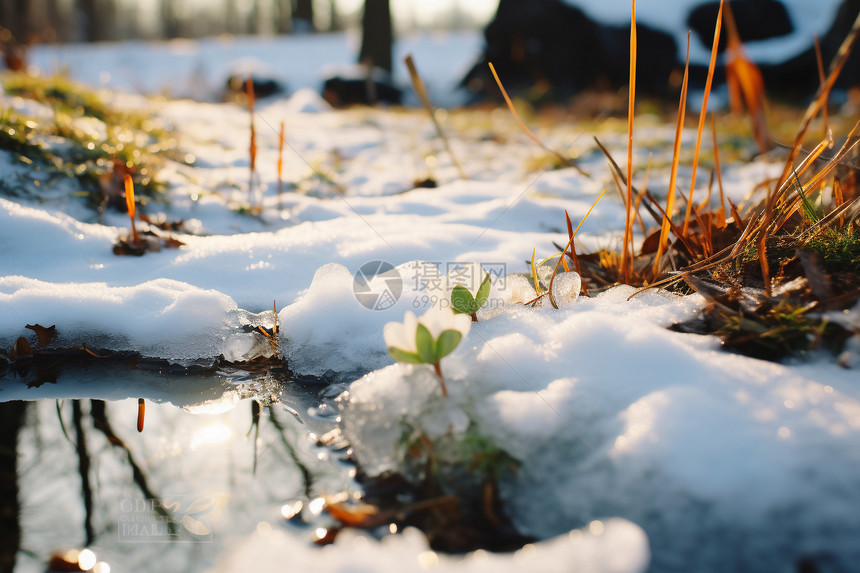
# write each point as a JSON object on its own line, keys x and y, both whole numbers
{"x": 567, "y": 161}
{"x": 418, "y": 85}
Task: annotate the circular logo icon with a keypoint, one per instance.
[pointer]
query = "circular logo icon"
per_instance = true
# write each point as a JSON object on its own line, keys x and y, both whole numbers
{"x": 377, "y": 285}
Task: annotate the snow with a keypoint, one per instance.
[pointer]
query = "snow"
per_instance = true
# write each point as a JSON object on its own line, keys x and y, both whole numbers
{"x": 653, "y": 426}
{"x": 631, "y": 439}
{"x": 612, "y": 547}
{"x": 199, "y": 69}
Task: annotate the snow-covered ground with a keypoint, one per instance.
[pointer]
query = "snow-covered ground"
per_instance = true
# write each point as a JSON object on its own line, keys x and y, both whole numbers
{"x": 632, "y": 440}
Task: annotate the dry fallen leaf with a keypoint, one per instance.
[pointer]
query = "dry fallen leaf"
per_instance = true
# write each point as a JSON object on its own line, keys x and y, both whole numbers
{"x": 44, "y": 334}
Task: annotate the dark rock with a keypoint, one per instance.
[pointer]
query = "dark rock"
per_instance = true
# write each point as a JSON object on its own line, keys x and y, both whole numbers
{"x": 756, "y": 20}
{"x": 342, "y": 91}
{"x": 237, "y": 84}
{"x": 554, "y": 46}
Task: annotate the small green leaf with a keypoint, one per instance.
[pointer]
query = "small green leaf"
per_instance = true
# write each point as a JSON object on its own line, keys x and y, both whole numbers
{"x": 425, "y": 345}
{"x": 404, "y": 356}
{"x": 448, "y": 341}
{"x": 483, "y": 293}
{"x": 808, "y": 208}
{"x": 462, "y": 300}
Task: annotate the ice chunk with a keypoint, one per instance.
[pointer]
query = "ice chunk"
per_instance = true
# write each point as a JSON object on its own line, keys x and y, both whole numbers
{"x": 565, "y": 288}
{"x": 387, "y": 404}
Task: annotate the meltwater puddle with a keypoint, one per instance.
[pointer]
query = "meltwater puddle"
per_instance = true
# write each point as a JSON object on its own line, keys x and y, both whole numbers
{"x": 223, "y": 453}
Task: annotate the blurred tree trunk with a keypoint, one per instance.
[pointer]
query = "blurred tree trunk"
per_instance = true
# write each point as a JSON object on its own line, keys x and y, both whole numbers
{"x": 170, "y": 25}
{"x": 334, "y": 17}
{"x": 59, "y": 19}
{"x": 303, "y": 16}
{"x": 233, "y": 22}
{"x": 254, "y": 18}
{"x": 15, "y": 17}
{"x": 376, "y": 34}
{"x": 98, "y": 16}
{"x": 283, "y": 16}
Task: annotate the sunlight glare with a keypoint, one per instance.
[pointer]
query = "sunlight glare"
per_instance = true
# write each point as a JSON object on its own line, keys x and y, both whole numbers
{"x": 290, "y": 510}
{"x": 214, "y": 434}
{"x": 86, "y": 560}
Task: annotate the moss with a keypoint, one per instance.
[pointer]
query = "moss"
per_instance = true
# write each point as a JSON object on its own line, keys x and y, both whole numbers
{"x": 839, "y": 249}
{"x": 779, "y": 330}
{"x": 128, "y": 139}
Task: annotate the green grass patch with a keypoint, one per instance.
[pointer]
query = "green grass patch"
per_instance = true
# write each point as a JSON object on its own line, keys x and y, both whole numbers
{"x": 86, "y": 139}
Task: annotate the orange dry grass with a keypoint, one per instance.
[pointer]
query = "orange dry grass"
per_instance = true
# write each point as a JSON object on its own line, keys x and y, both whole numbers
{"x": 627, "y": 243}
{"x": 252, "y": 146}
{"x": 676, "y": 157}
{"x": 129, "y": 202}
{"x": 745, "y": 83}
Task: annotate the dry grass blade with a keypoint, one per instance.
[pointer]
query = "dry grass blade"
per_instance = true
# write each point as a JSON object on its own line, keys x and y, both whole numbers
{"x": 418, "y": 86}
{"x": 577, "y": 266}
{"x": 821, "y": 97}
{"x": 838, "y": 199}
{"x": 822, "y": 77}
{"x": 141, "y": 413}
{"x": 252, "y": 145}
{"x": 711, "y": 67}
{"x": 281, "y": 162}
{"x": 760, "y": 222}
{"x": 129, "y": 201}
{"x": 627, "y": 243}
{"x": 535, "y": 275}
{"x": 765, "y": 267}
{"x": 569, "y": 246}
{"x": 621, "y": 180}
{"x": 745, "y": 80}
{"x": 796, "y": 200}
{"x": 526, "y": 129}
{"x": 721, "y": 212}
{"x": 673, "y": 177}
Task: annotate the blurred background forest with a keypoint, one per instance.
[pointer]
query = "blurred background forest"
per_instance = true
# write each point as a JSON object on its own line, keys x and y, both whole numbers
{"x": 60, "y": 21}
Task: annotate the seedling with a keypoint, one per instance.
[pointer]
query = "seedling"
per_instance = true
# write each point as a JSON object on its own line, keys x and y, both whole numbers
{"x": 463, "y": 302}
{"x": 426, "y": 340}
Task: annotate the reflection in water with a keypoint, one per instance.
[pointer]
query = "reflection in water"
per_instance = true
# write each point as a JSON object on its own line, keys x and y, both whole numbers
{"x": 83, "y": 470}
{"x": 11, "y": 419}
{"x": 141, "y": 412}
{"x": 168, "y": 499}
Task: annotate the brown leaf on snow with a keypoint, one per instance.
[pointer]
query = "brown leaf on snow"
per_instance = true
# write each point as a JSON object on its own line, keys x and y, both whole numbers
{"x": 44, "y": 334}
{"x": 21, "y": 349}
{"x": 355, "y": 514}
